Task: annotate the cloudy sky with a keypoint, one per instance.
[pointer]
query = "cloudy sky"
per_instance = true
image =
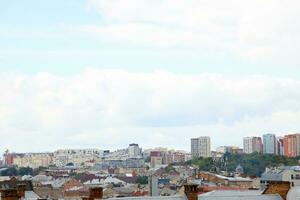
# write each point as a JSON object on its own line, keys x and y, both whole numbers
{"x": 105, "y": 73}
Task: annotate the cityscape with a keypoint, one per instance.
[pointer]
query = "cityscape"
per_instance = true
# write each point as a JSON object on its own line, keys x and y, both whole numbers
{"x": 149, "y": 100}
{"x": 134, "y": 156}
{"x": 134, "y": 171}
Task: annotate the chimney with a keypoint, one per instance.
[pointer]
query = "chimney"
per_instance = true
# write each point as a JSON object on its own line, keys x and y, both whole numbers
{"x": 21, "y": 190}
{"x": 9, "y": 194}
{"x": 95, "y": 193}
{"x": 191, "y": 191}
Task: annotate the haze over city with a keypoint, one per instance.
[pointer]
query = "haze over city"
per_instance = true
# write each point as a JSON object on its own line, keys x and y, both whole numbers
{"x": 104, "y": 74}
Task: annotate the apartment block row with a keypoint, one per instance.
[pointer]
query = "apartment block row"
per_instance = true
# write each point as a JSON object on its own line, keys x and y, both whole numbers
{"x": 33, "y": 160}
{"x": 288, "y": 145}
{"x": 161, "y": 157}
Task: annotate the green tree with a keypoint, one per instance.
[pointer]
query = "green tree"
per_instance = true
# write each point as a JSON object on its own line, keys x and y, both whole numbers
{"x": 143, "y": 180}
{"x": 11, "y": 171}
{"x": 25, "y": 171}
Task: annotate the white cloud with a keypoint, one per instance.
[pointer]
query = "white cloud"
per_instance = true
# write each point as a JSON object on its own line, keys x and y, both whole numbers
{"x": 258, "y": 31}
{"x": 110, "y": 108}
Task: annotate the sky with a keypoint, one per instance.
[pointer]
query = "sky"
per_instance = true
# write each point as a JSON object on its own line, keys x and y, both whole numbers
{"x": 106, "y": 73}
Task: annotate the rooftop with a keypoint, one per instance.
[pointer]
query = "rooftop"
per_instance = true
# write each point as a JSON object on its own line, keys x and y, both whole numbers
{"x": 238, "y": 195}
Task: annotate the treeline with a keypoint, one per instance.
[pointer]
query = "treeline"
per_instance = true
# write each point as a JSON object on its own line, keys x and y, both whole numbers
{"x": 20, "y": 171}
{"x": 253, "y": 164}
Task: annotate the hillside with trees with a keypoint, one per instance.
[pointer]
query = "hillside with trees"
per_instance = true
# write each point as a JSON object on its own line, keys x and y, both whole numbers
{"x": 253, "y": 164}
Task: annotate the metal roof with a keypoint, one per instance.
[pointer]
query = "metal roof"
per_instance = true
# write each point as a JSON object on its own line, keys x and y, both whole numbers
{"x": 238, "y": 195}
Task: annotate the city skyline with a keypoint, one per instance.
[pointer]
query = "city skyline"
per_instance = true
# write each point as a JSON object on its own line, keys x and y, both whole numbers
{"x": 94, "y": 73}
{"x": 249, "y": 144}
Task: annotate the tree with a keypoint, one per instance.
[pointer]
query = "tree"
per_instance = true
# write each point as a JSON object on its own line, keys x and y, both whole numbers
{"x": 25, "y": 171}
{"x": 143, "y": 180}
{"x": 11, "y": 171}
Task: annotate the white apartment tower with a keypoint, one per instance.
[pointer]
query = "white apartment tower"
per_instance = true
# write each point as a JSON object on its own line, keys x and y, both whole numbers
{"x": 248, "y": 147}
{"x": 201, "y": 147}
{"x": 134, "y": 151}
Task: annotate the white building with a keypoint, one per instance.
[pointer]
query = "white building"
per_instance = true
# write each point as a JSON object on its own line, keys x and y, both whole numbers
{"x": 78, "y": 157}
{"x": 134, "y": 151}
{"x": 289, "y": 174}
{"x": 201, "y": 147}
{"x": 33, "y": 160}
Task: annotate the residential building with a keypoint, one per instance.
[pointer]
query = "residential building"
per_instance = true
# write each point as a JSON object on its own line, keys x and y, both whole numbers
{"x": 279, "y": 145}
{"x": 134, "y": 151}
{"x": 289, "y": 174}
{"x": 291, "y": 145}
{"x": 9, "y": 158}
{"x": 228, "y": 149}
{"x": 252, "y": 144}
{"x": 122, "y": 163}
{"x": 247, "y": 143}
{"x": 156, "y": 158}
{"x": 237, "y": 150}
{"x": 269, "y": 143}
{"x": 201, "y": 147}
{"x": 33, "y": 160}
{"x": 225, "y": 180}
{"x": 224, "y": 149}
{"x": 77, "y": 157}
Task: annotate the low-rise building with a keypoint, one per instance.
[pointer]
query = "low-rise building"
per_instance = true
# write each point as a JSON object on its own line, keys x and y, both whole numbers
{"x": 224, "y": 180}
{"x": 289, "y": 174}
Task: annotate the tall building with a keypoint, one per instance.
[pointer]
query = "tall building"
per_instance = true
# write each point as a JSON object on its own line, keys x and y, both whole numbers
{"x": 134, "y": 151}
{"x": 247, "y": 143}
{"x": 201, "y": 147}
{"x": 279, "y": 146}
{"x": 252, "y": 144}
{"x": 269, "y": 143}
{"x": 291, "y": 145}
{"x": 257, "y": 144}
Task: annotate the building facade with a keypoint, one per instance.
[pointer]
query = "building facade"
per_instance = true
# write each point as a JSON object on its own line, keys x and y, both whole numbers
{"x": 252, "y": 144}
{"x": 134, "y": 151}
{"x": 201, "y": 147}
{"x": 33, "y": 160}
{"x": 280, "y": 145}
{"x": 291, "y": 145}
{"x": 269, "y": 143}
{"x": 77, "y": 157}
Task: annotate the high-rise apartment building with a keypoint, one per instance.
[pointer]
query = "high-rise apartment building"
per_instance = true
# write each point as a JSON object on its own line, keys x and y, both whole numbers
{"x": 279, "y": 145}
{"x": 269, "y": 143}
{"x": 291, "y": 145}
{"x": 201, "y": 147}
{"x": 247, "y": 144}
{"x": 252, "y": 144}
{"x": 134, "y": 151}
